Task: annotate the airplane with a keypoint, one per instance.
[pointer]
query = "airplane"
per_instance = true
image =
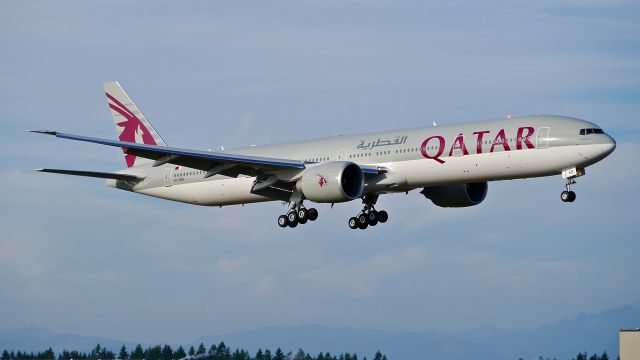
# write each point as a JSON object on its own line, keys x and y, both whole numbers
{"x": 451, "y": 164}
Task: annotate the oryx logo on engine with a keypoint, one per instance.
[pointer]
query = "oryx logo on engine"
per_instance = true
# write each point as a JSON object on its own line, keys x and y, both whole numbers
{"x": 321, "y": 180}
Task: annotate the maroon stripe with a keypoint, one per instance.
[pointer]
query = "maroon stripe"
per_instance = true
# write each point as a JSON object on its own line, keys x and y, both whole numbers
{"x": 121, "y": 112}
{"x": 119, "y": 103}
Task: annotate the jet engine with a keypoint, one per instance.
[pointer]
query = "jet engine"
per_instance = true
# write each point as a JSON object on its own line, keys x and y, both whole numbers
{"x": 457, "y": 195}
{"x": 332, "y": 182}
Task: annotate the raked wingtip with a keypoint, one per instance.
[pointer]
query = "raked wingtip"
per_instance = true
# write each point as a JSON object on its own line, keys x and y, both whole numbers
{"x": 46, "y": 132}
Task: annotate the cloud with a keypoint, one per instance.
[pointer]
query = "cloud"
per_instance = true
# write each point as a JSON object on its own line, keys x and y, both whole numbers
{"x": 362, "y": 278}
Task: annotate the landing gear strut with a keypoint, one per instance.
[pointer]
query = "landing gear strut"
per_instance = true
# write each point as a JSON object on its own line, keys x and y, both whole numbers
{"x": 368, "y": 216}
{"x": 567, "y": 195}
{"x": 297, "y": 214}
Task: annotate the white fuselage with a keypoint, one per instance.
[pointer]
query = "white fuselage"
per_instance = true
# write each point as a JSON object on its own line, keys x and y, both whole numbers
{"x": 465, "y": 153}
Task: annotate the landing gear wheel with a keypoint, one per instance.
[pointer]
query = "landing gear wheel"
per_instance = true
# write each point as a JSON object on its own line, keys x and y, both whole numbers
{"x": 292, "y": 218}
{"x": 362, "y": 221}
{"x": 282, "y": 221}
{"x": 383, "y": 216}
{"x": 303, "y": 215}
{"x": 312, "y": 214}
{"x": 568, "y": 195}
{"x": 372, "y": 218}
{"x": 368, "y": 216}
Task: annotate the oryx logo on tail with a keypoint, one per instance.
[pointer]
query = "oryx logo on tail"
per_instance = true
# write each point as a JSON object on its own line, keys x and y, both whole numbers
{"x": 131, "y": 124}
{"x": 133, "y": 130}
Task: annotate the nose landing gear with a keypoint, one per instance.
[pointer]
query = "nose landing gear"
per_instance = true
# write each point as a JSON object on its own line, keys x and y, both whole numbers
{"x": 569, "y": 176}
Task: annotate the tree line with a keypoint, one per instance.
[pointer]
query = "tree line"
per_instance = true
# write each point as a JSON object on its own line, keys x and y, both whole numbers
{"x": 166, "y": 352}
{"x": 215, "y": 352}
{"x": 583, "y": 356}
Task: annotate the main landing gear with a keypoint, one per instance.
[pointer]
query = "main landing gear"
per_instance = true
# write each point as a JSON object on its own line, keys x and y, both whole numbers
{"x": 369, "y": 216}
{"x": 298, "y": 214}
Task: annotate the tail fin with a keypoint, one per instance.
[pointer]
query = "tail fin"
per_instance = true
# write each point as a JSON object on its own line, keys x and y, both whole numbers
{"x": 131, "y": 124}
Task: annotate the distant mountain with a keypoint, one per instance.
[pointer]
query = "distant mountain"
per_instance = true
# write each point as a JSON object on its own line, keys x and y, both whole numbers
{"x": 562, "y": 340}
{"x": 37, "y": 339}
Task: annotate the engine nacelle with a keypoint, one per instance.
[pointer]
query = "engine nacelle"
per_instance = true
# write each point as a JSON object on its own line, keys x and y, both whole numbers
{"x": 332, "y": 182}
{"x": 457, "y": 195}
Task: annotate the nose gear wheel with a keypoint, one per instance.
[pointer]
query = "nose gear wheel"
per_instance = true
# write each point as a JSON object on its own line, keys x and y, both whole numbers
{"x": 567, "y": 195}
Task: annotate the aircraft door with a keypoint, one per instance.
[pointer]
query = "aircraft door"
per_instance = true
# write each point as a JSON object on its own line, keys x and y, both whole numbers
{"x": 542, "y": 138}
{"x": 168, "y": 176}
{"x": 342, "y": 154}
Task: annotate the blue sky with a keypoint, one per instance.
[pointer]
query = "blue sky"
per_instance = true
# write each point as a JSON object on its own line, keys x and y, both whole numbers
{"x": 78, "y": 257}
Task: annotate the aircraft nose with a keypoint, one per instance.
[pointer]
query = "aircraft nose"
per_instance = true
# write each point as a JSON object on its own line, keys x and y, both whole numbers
{"x": 610, "y": 145}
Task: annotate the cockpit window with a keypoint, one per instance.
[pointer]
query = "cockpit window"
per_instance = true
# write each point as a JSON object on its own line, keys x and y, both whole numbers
{"x": 591, "y": 131}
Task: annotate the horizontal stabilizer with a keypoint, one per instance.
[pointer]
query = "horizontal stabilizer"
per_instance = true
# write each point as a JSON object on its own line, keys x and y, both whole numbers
{"x": 95, "y": 174}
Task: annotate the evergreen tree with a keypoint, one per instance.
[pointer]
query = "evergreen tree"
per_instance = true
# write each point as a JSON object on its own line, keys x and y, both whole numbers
{"x": 378, "y": 356}
{"x": 299, "y": 355}
{"x": 267, "y": 355}
{"x": 138, "y": 353}
{"x": 95, "y": 353}
{"x": 259, "y": 355}
{"x": 201, "y": 349}
{"x": 279, "y": 355}
{"x": 212, "y": 349}
{"x": 123, "y": 355}
{"x": 153, "y": 353}
{"x": 238, "y": 355}
{"x": 167, "y": 353}
{"x": 223, "y": 353}
{"x": 179, "y": 354}
{"x": 192, "y": 351}
{"x": 6, "y": 355}
{"x": 604, "y": 356}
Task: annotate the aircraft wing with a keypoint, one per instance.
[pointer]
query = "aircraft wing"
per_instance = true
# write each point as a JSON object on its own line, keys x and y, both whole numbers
{"x": 212, "y": 162}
